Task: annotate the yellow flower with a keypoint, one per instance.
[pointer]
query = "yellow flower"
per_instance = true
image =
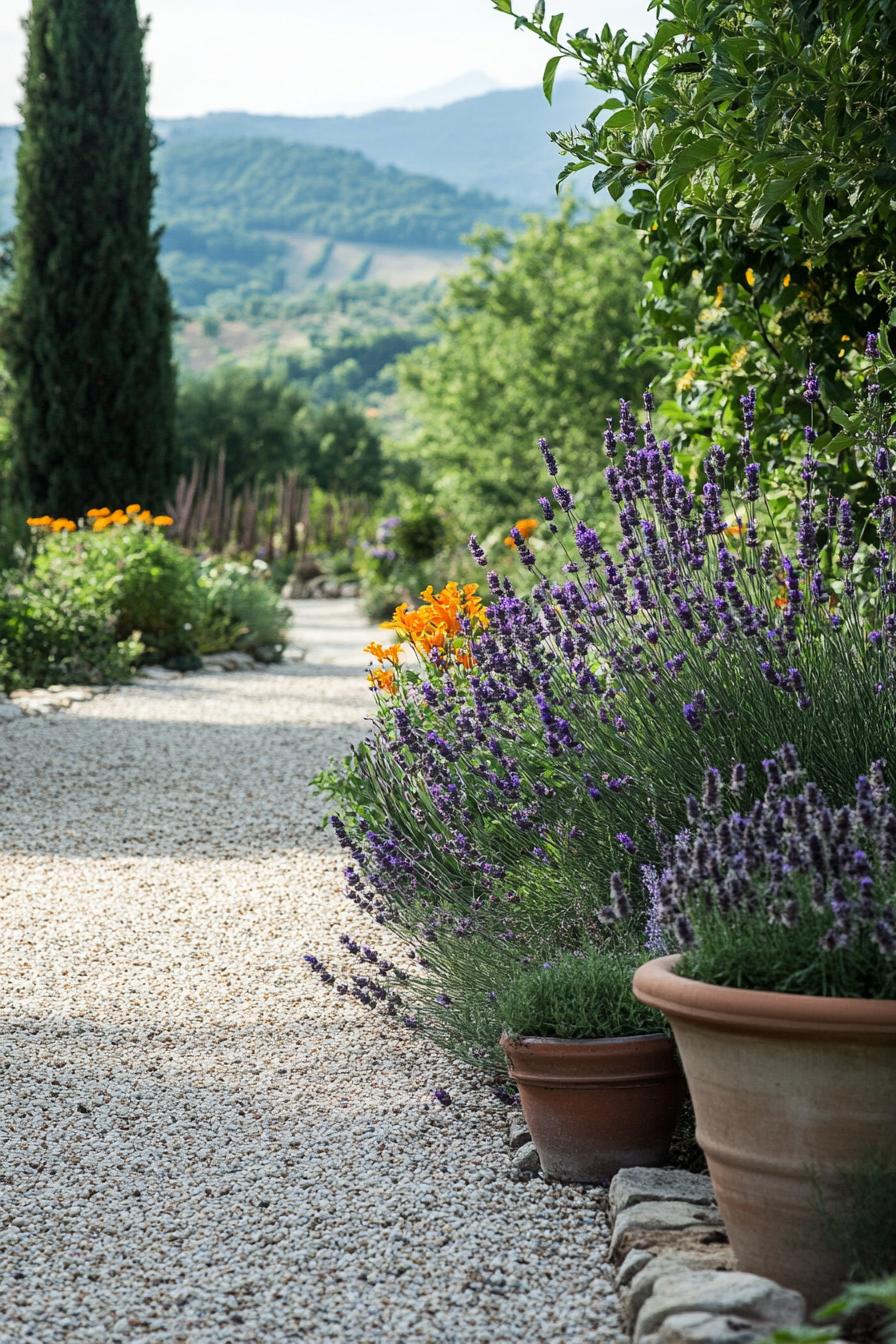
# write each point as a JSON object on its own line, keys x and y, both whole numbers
{"x": 686, "y": 380}
{"x": 786, "y": 281}
{"x": 720, "y": 296}
{"x": 64, "y": 525}
{"x": 845, "y": 338}
{"x": 750, "y": 276}
{"x": 163, "y": 520}
{"x": 739, "y": 358}
{"x": 133, "y": 508}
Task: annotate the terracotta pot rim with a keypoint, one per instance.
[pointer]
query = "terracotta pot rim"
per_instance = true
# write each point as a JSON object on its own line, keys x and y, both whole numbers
{"x": 573, "y": 1042}
{"x": 656, "y": 983}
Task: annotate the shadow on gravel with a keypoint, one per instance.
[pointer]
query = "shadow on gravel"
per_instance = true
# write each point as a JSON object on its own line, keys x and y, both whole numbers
{"x": 103, "y": 787}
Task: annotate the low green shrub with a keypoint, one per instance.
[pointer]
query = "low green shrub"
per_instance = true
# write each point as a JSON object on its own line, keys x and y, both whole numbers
{"x": 240, "y": 608}
{"x": 89, "y": 604}
{"x": 578, "y": 997}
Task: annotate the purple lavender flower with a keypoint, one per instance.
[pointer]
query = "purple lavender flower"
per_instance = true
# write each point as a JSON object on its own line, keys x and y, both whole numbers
{"x": 477, "y": 552}
{"x": 811, "y": 390}
{"x": 549, "y": 458}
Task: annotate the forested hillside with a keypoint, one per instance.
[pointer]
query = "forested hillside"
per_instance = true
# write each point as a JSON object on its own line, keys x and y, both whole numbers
{"x": 260, "y": 217}
{"x": 262, "y": 185}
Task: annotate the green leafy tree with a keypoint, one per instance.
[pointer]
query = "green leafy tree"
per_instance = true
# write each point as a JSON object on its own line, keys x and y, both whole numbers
{"x": 345, "y": 450}
{"x": 752, "y": 146}
{"x": 256, "y": 422}
{"x": 529, "y": 343}
{"x": 87, "y": 322}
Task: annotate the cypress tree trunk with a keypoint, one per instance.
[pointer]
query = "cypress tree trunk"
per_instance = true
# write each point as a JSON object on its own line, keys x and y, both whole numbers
{"x": 87, "y": 324}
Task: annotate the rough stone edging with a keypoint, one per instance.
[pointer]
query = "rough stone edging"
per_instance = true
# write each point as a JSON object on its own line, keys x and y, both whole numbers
{"x": 675, "y": 1272}
{"x": 40, "y": 701}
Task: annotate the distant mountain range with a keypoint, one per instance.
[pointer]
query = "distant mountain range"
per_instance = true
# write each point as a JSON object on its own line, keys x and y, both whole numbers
{"x": 470, "y": 85}
{"x": 496, "y": 142}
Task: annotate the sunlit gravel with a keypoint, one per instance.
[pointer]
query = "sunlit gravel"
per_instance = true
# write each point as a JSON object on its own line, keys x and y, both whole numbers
{"x": 200, "y": 1141}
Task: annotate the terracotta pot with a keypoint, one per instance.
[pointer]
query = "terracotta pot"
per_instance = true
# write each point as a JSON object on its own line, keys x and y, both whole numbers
{"x": 791, "y": 1092}
{"x": 595, "y": 1106}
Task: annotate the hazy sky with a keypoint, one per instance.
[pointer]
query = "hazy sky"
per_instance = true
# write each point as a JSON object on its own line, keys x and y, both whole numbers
{"x": 320, "y": 56}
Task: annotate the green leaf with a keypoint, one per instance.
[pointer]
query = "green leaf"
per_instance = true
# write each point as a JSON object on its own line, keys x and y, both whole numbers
{"x": 774, "y": 193}
{"x": 555, "y": 26}
{"x": 505, "y": 6}
{"x": 538, "y": 13}
{"x": 550, "y": 74}
{"x": 692, "y": 157}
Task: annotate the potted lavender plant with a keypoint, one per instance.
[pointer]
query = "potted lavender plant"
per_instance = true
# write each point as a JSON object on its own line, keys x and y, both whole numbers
{"x": 599, "y": 1081}
{"x": 782, "y": 999}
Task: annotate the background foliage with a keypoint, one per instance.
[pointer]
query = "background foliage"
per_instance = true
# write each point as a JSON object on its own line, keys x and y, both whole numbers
{"x": 752, "y": 146}
{"x": 529, "y": 340}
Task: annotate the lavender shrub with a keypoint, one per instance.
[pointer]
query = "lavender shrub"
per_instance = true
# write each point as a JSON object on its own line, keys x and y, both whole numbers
{"x": 499, "y": 792}
{"x": 790, "y": 894}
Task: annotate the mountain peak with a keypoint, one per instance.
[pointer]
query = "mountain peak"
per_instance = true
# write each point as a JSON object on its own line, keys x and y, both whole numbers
{"x": 469, "y": 85}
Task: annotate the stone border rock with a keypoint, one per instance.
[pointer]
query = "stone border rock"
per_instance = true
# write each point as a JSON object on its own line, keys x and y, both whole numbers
{"x": 41, "y": 701}
{"x": 676, "y": 1276}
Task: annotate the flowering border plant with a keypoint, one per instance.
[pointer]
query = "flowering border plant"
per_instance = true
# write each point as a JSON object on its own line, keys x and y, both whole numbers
{"x": 551, "y": 741}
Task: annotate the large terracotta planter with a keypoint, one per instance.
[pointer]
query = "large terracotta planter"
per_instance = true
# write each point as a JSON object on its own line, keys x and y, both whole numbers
{"x": 595, "y": 1106}
{"x": 791, "y": 1092}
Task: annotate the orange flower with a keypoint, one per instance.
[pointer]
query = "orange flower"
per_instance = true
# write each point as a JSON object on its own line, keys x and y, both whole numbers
{"x": 119, "y": 517}
{"x": 64, "y": 525}
{"x": 465, "y": 659}
{"x": 100, "y": 524}
{"x": 163, "y": 520}
{"x": 383, "y": 679}
{"x": 384, "y": 655}
{"x": 97, "y": 513}
{"x": 735, "y": 529}
{"x": 133, "y": 508}
{"x": 44, "y": 521}
{"x": 525, "y": 527}
{"x": 144, "y": 516}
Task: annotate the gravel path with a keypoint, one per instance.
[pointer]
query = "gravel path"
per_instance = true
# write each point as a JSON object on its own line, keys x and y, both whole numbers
{"x": 200, "y": 1142}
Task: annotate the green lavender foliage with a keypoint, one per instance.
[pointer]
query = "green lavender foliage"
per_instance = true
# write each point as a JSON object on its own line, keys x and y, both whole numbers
{"x": 578, "y": 998}
{"x": 87, "y": 322}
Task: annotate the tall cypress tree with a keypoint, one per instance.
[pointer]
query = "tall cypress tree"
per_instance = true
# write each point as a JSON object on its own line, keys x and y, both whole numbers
{"x": 87, "y": 322}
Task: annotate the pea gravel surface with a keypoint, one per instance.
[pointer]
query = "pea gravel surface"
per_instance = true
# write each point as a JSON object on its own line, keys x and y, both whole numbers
{"x": 200, "y": 1141}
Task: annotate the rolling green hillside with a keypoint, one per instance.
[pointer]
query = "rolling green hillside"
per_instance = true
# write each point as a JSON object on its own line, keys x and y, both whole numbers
{"x": 264, "y": 185}
{"x": 251, "y": 216}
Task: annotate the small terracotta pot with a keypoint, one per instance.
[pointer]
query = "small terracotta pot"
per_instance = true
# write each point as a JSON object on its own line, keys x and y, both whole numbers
{"x": 791, "y": 1092}
{"x": 595, "y": 1106}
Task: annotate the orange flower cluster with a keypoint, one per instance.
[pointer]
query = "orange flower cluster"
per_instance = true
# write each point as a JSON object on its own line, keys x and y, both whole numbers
{"x": 100, "y": 519}
{"x": 53, "y": 524}
{"x": 525, "y": 527}
{"x": 103, "y": 518}
{"x": 436, "y": 626}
